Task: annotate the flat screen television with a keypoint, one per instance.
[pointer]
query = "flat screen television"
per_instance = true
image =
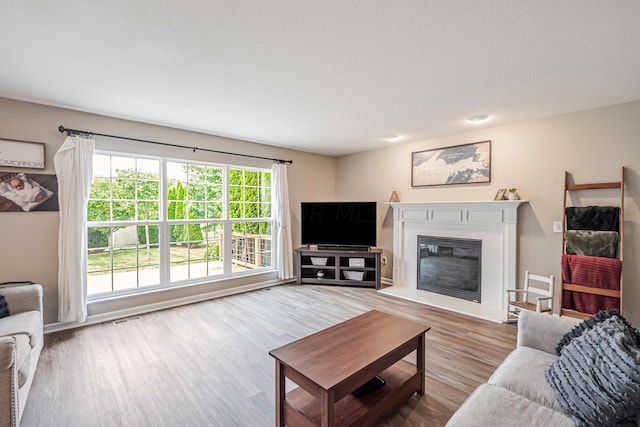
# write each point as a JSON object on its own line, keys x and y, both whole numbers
{"x": 339, "y": 224}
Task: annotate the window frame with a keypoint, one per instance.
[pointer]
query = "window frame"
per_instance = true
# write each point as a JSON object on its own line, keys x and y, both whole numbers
{"x": 164, "y": 224}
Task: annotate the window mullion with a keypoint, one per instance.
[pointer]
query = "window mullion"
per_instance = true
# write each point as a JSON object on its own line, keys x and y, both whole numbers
{"x": 164, "y": 228}
{"x": 226, "y": 223}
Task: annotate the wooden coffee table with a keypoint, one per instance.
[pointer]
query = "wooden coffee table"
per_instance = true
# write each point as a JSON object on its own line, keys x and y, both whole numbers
{"x": 329, "y": 365}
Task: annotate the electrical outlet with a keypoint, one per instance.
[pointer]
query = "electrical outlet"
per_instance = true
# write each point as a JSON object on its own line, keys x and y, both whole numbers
{"x": 384, "y": 260}
{"x": 557, "y": 227}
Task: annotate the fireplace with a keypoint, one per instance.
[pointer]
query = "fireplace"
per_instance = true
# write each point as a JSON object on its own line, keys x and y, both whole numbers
{"x": 495, "y": 224}
{"x": 450, "y": 266}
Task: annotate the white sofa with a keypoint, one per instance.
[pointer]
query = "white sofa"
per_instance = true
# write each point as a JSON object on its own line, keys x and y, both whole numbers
{"x": 21, "y": 341}
{"x": 517, "y": 394}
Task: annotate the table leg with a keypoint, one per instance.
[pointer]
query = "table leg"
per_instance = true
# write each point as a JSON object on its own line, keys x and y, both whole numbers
{"x": 280, "y": 395}
{"x": 420, "y": 362}
{"x": 326, "y": 409}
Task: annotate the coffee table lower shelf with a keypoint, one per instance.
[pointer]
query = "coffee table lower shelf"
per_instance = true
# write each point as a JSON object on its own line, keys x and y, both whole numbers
{"x": 401, "y": 382}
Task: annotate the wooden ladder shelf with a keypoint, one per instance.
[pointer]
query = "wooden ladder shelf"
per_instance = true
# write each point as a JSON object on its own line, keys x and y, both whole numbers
{"x": 616, "y": 293}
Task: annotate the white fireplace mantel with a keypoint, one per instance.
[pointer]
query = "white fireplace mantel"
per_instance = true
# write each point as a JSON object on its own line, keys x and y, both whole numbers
{"x": 495, "y": 223}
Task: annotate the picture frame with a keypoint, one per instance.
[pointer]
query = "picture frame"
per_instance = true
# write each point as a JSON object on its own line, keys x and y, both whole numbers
{"x": 460, "y": 164}
{"x": 28, "y": 192}
{"x": 500, "y": 194}
{"x": 21, "y": 154}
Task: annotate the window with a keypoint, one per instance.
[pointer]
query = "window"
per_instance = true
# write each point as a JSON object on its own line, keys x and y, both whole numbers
{"x": 157, "y": 222}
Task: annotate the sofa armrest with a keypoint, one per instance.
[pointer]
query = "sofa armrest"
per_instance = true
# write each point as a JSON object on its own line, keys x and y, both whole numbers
{"x": 543, "y": 331}
{"x": 9, "y": 396}
{"x": 23, "y": 298}
{"x": 7, "y": 352}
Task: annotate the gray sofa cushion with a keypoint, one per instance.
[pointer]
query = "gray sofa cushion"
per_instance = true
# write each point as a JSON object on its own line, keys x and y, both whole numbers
{"x": 494, "y": 406}
{"x": 597, "y": 376}
{"x": 542, "y": 331}
{"x": 522, "y": 372}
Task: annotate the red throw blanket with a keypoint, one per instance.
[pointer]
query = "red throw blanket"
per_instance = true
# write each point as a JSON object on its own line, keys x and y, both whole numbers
{"x": 591, "y": 271}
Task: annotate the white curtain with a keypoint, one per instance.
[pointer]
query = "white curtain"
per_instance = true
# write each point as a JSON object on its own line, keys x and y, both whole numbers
{"x": 283, "y": 220}
{"x": 74, "y": 164}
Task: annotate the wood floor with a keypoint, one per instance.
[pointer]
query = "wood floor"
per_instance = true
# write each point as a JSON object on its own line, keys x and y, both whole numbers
{"x": 207, "y": 364}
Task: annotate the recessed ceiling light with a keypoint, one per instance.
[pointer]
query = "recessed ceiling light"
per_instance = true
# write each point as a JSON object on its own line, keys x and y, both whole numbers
{"x": 478, "y": 119}
{"x": 391, "y": 138}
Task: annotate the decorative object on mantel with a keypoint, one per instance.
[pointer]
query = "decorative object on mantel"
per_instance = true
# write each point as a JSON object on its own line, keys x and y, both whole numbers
{"x": 461, "y": 164}
{"x": 394, "y": 197}
{"x": 513, "y": 194}
{"x": 21, "y": 154}
{"x": 500, "y": 194}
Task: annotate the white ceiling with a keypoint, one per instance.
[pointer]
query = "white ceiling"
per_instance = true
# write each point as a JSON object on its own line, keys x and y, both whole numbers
{"x": 324, "y": 76}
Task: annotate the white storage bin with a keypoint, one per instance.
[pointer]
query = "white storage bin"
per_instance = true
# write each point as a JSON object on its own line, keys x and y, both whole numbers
{"x": 356, "y": 262}
{"x": 354, "y": 275}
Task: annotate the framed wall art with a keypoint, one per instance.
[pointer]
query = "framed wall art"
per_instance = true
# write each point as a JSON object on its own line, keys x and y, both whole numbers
{"x": 21, "y": 154}
{"x": 28, "y": 192}
{"x": 461, "y": 164}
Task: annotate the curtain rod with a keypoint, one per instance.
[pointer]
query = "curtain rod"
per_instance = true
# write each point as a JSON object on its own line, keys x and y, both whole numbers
{"x": 70, "y": 132}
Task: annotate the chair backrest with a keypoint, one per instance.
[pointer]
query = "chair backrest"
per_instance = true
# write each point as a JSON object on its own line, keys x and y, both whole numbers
{"x": 544, "y": 290}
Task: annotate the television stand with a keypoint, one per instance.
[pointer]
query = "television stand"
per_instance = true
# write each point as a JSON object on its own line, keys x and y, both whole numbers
{"x": 341, "y": 267}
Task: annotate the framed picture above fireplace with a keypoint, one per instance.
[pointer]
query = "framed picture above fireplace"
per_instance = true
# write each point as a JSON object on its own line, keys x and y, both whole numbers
{"x": 460, "y": 164}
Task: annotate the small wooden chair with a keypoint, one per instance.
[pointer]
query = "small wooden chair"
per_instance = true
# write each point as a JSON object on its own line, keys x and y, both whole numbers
{"x": 520, "y": 299}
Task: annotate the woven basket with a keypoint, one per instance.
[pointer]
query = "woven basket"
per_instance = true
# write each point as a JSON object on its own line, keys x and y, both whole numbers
{"x": 354, "y": 275}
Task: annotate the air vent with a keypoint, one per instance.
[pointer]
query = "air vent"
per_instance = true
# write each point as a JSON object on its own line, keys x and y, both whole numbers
{"x": 128, "y": 319}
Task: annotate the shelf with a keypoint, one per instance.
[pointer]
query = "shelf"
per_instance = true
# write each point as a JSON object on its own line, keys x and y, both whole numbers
{"x": 340, "y": 282}
{"x": 337, "y": 264}
{"x": 574, "y": 313}
{"x": 582, "y": 289}
{"x": 591, "y": 290}
{"x": 596, "y": 186}
{"x": 401, "y": 381}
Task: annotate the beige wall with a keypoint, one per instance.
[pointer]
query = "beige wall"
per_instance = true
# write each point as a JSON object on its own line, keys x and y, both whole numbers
{"x": 592, "y": 145}
{"x": 29, "y": 239}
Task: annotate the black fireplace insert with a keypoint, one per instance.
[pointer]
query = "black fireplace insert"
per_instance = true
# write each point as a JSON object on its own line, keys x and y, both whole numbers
{"x": 450, "y": 266}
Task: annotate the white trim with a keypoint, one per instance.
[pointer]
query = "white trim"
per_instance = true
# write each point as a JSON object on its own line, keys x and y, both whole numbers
{"x": 386, "y": 281}
{"x": 457, "y": 305}
{"x": 133, "y": 311}
{"x": 493, "y": 222}
{"x": 164, "y": 224}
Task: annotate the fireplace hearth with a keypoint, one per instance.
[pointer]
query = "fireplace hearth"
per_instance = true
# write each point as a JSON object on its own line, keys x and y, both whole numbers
{"x": 450, "y": 266}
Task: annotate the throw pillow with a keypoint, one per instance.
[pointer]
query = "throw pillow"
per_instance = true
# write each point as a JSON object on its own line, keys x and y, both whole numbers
{"x": 591, "y": 322}
{"x": 4, "y": 308}
{"x": 596, "y": 379}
